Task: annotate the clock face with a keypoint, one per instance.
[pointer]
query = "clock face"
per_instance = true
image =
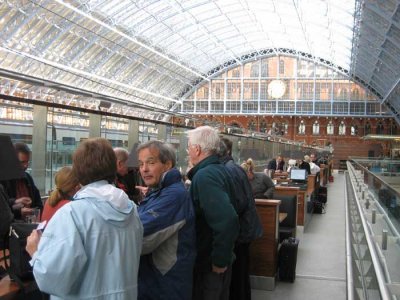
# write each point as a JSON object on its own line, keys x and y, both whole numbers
{"x": 276, "y": 88}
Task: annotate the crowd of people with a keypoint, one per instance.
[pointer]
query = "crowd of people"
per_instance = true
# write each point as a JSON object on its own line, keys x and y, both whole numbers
{"x": 148, "y": 233}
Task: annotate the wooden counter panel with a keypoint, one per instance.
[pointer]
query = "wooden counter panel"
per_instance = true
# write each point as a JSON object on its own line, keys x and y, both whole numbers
{"x": 263, "y": 251}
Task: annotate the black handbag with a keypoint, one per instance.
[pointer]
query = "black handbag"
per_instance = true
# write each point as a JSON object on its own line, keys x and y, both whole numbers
{"x": 19, "y": 258}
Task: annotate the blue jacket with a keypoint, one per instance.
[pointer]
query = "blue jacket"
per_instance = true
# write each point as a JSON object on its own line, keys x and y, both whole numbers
{"x": 90, "y": 249}
{"x": 169, "y": 250}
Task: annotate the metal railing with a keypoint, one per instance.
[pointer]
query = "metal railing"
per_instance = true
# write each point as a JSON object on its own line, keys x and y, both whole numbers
{"x": 372, "y": 250}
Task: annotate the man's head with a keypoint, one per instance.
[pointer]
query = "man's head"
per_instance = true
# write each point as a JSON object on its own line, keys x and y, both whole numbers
{"x": 202, "y": 142}
{"x": 313, "y": 157}
{"x": 94, "y": 160}
{"x": 24, "y": 154}
{"x": 155, "y": 158}
{"x": 122, "y": 158}
{"x": 279, "y": 158}
{"x": 228, "y": 145}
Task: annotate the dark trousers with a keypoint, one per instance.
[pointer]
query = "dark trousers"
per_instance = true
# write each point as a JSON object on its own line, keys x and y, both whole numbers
{"x": 210, "y": 285}
{"x": 240, "y": 283}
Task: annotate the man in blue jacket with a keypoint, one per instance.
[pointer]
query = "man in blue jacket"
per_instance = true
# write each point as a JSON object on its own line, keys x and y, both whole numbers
{"x": 217, "y": 225}
{"x": 169, "y": 251}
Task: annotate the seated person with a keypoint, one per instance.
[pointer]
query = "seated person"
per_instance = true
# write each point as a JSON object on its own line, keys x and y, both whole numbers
{"x": 22, "y": 193}
{"x": 275, "y": 165}
{"x": 305, "y": 164}
{"x": 167, "y": 214}
{"x": 66, "y": 187}
{"x": 261, "y": 185}
{"x": 292, "y": 164}
{"x": 314, "y": 159}
{"x": 314, "y": 168}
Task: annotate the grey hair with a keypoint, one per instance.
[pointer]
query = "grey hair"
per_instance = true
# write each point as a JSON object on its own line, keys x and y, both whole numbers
{"x": 206, "y": 137}
{"x": 121, "y": 154}
{"x": 223, "y": 149}
{"x": 166, "y": 152}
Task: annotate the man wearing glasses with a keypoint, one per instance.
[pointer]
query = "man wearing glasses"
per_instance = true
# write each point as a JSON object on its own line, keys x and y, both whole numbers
{"x": 23, "y": 193}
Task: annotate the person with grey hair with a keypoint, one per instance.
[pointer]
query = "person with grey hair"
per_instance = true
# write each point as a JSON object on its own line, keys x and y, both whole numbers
{"x": 217, "y": 224}
{"x": 168, "y": 254}
{"x": 250, "y": 224}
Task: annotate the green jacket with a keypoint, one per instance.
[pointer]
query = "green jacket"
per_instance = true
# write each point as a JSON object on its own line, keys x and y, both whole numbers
{"x": 217, "y": 224}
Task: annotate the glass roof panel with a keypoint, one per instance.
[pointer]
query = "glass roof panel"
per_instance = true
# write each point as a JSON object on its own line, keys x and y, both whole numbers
{"x": 147, "y": 45}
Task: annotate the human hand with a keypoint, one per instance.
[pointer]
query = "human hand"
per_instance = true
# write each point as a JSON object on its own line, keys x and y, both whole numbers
{"x": 219, "y": 270}
{"x": 25, "y": 201}
{"x": 26, "y": 211}
{"x": 32, "y": 242}
{"x": 143, "y": 189}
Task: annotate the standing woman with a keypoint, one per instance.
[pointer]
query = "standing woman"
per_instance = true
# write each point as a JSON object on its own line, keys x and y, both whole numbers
{"x": 91, "y": 247}
{"x": 66, "y": 187}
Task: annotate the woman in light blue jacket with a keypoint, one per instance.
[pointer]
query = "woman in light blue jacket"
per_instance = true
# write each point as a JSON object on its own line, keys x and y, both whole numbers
{"x": 90, "y": 249}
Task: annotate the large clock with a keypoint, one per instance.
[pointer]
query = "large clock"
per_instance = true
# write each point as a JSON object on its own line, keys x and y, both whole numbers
{"x": 276, "y": 89}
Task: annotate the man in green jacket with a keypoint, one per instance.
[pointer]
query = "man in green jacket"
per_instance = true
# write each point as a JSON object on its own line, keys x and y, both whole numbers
{"x": 217, "y": 225}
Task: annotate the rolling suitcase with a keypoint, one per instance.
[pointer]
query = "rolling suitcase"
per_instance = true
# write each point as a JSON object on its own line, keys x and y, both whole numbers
{"x": 288, "y": 259}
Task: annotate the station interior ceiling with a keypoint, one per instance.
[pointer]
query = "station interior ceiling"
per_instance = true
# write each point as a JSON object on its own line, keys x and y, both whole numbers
{"x": 145, "y": 55}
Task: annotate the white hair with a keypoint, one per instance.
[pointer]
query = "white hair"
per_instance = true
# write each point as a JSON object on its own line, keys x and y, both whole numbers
{"x": 206, "y": 137}
{"x": 121, "y": 154}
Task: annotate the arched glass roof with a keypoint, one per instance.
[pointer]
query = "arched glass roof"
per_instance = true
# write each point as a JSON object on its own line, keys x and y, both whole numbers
{"x": 149, "y": 52}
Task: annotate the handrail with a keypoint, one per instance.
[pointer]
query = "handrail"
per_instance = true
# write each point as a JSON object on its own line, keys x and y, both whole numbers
{"x": 349, "y": 258}
{"x": 381, "y": 210}
{"x": 371, "y": 246}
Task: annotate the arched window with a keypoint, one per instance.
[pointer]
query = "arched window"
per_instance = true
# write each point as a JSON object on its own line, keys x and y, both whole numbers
{"x": 315, "y": 128}
{"x": 302, "y": 127}
{"x": 354, "y": 129}
{"x": 254, "y": 71}
{"x": 264, "y": 68}
{"x": 393, "y": 128}
{"x": 342, "y": 128}
{"x": 281, "y": 66}
{"x": 330, "y": 128}
{"x": 367, "y": 128}
{"x": 355, "y": 94}
{"x": 236, "y": 73}
{"x": 263, "y": 126}
{"x": 251, "y": 125}
{"x": 380, "y": 128}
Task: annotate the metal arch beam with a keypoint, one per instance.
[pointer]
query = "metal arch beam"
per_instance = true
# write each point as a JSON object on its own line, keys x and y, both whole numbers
{"x": 164, "y": 56}
{"x": 281, "y": 51}
{"x": 383, "y": 33}
{"x": 86, "y": 74}
{"x": 26, "y": 20}
{"x": 310, "y": 50}
{"x": 92, "y": 41}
